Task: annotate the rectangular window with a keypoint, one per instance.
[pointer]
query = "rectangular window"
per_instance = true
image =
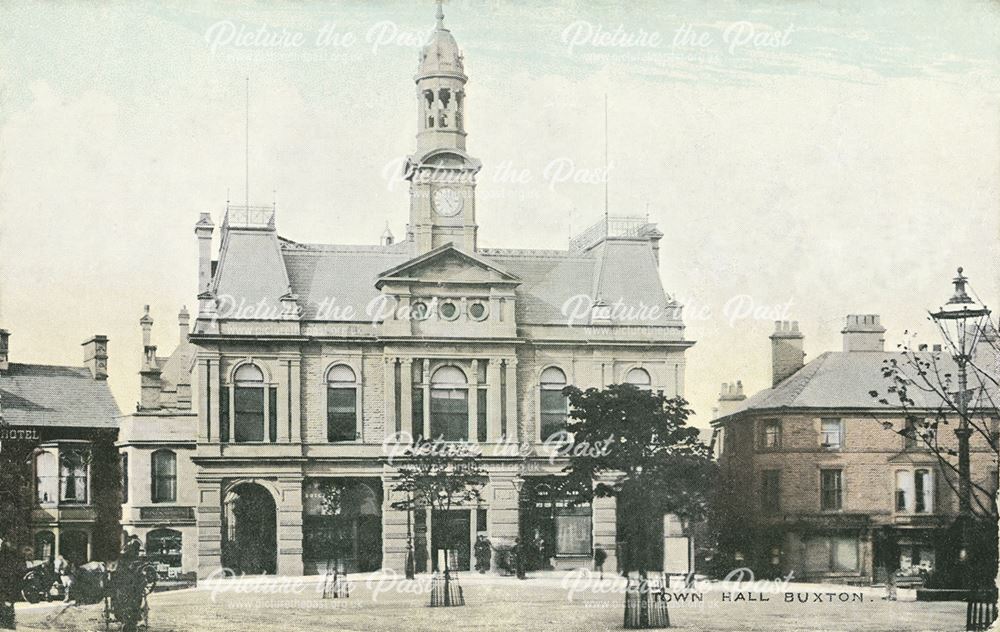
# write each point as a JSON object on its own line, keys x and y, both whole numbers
{"x": 553, "y": 409}
{"x": 904, "y": 491}
{"x": 920, "y": 489}
{"x": 911, "y": 439}
{"x": 573, "y": 526}
{"x": 73, "y": 476}
{"x": 503, "y": 399}
{"x": 224, "y": 415}
{"x": 341, "y": 418}
{"x": 481, "y": 416}
{"x": 831, "y": 490}
{"x": 249, "y": 414}
{"x": 770, "y": 437}
{"x": 272, "y": 414}
{"x": 844, "y": 553}
{"x": 914, "y": 491}
{"x": 418, "y": 412}
{"x": 124, "y": 465}
{"x": 164, "y": 466}
{"x": 831, "y": 434}
{"x": 450, "y": 414}
{"x": 480, "y": 520}
{"x": 770, "y": 491}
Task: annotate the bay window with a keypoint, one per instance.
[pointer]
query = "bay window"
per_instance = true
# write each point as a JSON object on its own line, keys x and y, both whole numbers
{"x": 73, "y": 470}
{"x": 914, "y": 491}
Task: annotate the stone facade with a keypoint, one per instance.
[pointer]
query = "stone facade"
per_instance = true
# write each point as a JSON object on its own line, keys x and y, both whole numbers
{"x": 312, "y": 359}
{"x": 156, "y": 444}
{"x": 776, "y": 446}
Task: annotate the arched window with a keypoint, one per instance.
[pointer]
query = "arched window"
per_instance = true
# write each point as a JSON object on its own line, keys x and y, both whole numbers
{"x": 449, "y": 404}
{"x": 552, "y": 403}
{"x": 639, "y": 378}
{"x": 46, "y": 477}
{"x": 164, "y": 476}
{"x": 249, "y": 404}
{"x": 73, "y": 476}
{"x": 341, "y": 404}
{"x": 164, "y": 546}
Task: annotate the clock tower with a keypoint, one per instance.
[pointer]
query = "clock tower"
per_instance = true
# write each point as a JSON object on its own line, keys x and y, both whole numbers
{"x": 442, "y": 175}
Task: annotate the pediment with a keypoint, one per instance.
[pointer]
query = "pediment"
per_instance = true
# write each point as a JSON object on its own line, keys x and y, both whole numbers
{"x": 447, "y": 265}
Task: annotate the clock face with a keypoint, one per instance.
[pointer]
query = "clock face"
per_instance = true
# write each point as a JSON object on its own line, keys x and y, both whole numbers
{"x": 447, "y": 202}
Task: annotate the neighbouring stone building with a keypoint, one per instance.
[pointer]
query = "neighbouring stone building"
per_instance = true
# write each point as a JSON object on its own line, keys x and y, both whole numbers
{"x": 824, "y": 481}
{"x": 65, "y": 416}
{"x": 310, "y": 357}
{"x": 156, "y": 444}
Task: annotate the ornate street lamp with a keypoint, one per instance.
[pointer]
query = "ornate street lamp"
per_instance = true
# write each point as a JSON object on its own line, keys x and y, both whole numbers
{"x": 962, "y": 323}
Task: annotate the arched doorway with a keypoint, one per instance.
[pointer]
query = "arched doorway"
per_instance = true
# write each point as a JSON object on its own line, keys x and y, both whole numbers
{"x": 251, "y": 530}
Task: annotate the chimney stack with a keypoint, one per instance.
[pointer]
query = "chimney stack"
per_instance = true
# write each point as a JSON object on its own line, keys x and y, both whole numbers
{"x": 184, "y": 324}
{"x": 729, "y": 398}
{"x": 204, "y": 229}
{"x": 787, "y": 355}
{"x": 864, "y": 332}
{"x": 95, "y": 356}
{"x": 4, "y": 350}
{"x": 149, "y": 374}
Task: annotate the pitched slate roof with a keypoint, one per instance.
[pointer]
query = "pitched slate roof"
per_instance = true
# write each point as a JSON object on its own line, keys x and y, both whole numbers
{"x": 844, "y": 380}
{"x": 338, "y": 283}
{"x": 55, "y": 396}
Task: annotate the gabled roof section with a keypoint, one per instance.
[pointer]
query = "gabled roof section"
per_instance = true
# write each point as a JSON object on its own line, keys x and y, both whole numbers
{"x": 448, "y": 264}
{"x": 55, "y": 396}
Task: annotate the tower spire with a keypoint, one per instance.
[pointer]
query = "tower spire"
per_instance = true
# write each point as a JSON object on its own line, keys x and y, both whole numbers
{"x": 440, "y": 15}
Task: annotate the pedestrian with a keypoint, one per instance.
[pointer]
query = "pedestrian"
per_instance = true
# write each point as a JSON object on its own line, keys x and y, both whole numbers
{"x": 600, "y": 555}
{"x": 484, "y": 551}
{"x": 67, "y": 576}
{"x": 890, "y": 587}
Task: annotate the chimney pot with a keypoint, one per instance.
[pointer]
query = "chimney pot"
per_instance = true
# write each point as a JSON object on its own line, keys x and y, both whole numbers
{"x": 863, "y": 332}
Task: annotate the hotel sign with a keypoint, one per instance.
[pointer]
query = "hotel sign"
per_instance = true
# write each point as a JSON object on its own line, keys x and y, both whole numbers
{"x": 166, "y": 514}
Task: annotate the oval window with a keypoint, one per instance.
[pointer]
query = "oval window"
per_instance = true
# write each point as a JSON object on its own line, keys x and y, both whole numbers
{"x": 448, "y": 310}
{"x": 419, "y": 311}
{"x": 477, "y": 311}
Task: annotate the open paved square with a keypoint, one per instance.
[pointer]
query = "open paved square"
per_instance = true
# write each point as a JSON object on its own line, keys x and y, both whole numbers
{"x": 545, "y": 602}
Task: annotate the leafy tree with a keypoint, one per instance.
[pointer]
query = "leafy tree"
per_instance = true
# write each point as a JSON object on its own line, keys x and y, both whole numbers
{"x": 636, "y": 446}
{"x": 444, "y": 477}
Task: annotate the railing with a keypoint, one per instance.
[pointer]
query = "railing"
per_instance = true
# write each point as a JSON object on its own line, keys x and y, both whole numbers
{"x": 249, "y": 216}
{"x": 620, "y": 226}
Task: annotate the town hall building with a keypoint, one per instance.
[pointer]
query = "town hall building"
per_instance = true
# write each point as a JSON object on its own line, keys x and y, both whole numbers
{"x": 432, "y": 336}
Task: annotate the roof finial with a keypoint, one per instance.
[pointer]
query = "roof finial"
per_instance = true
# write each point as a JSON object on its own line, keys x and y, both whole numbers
{"x": 440, "y": 15}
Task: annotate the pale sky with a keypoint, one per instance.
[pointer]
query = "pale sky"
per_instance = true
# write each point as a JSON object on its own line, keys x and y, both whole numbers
{"x": 805, "y": 160}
